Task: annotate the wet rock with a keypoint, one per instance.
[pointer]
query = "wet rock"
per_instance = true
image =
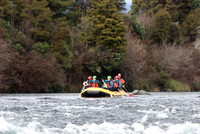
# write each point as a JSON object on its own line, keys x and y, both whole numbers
{"x": 141, "y": 92}
{"x": 135, "y": 92}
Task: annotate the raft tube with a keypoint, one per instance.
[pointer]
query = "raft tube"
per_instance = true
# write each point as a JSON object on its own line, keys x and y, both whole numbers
{"x": 94, "y": 92}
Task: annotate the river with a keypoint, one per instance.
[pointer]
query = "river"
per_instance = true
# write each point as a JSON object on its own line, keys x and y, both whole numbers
{"x": 159, "y": 113}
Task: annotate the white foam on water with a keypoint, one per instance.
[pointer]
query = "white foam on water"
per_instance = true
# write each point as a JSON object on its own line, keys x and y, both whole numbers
{"x": 144, "y": 118}
{"x": 104, "y": 128}
{"x": 153, "y": 130}
{"x": 173, "y": 111}
{"x": 31, "y": 128}
{"x": 7, "y": 113}
{"x": 148, "y": 111}
{"x": 136, "y": 128}
{"x": 187, "y": 128}
{"x": 35, "y": 127}
{"x": 196, "y": 116}
{"x": 161, "y": 115}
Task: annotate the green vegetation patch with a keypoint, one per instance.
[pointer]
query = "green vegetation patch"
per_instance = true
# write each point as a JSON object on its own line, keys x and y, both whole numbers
{"x": 178, "y": 86}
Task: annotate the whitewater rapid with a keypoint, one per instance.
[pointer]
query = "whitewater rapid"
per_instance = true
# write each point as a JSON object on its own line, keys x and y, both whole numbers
{"x": 159, "y": 113}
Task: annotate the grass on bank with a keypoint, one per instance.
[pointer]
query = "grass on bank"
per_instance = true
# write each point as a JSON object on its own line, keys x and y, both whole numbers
{"x": 177, "y": 86}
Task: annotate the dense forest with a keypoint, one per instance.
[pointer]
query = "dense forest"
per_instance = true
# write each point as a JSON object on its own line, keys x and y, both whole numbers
{"x": 54, "y": 45}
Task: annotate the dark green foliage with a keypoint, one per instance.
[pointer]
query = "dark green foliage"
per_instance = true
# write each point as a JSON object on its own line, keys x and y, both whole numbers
{"x": 61, "y": 32}
{"x": 162, "y": 79}
{"x": 178, "y": 9}
{"x": 120, "y": 4}
{"x": 3, "y": 29}
{"x": 6, "y": 9}
{"x": 74, "y": 16}
{"x": 148, "y": 6}
{"x": 139, "y": 29}
{"x": 142, "y": 84}
{"x": 195, "y": 4}
{"x": 174, "y": 33}
{"x": 61, "y": 7}
{"x": 192, "y": 22}
{"x": 177, "y": 86}
{"x": 42, "y": 48}
{"x": 161, "y": 25}
{"x": 40, "y": 17}
{"x": 63, "y": 53}
{"x": 107, "y": 26}
{"x": 107, "y": 30}
{"x": 198, "y": 86}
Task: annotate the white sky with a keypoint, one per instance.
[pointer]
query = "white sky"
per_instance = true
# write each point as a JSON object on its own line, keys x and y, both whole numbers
{"x": 128, "y": 4}
{"x": 128, "y": 1}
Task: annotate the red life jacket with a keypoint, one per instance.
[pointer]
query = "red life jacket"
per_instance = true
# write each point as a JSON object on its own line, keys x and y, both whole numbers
{"x": 116, "y": 85}
{"x": 94, "y": 85}
{"x": 122, "y": 81}
{"x": 86, "y": 87}
{"x": 91, "y": 84}
{"x": 108, "y": 84}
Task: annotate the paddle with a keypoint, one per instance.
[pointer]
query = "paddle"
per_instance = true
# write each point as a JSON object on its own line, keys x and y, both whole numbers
{"x": 130, "y": 95}
{"x": 107, "y": 89}
{"x": 104, "y": 83}
{"x": 83, "y": 86}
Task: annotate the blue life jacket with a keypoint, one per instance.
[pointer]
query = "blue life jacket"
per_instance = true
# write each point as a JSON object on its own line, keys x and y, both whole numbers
{"x": 119, "y": 83}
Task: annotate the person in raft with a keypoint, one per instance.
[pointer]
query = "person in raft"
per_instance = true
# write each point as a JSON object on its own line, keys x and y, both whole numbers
{"x": 95, "y": 82}
{"x": 108, "y": 84}
{"x": 117, "y": 83}
{"x": 121, "y": 80}
{"x": 87, "y": 83}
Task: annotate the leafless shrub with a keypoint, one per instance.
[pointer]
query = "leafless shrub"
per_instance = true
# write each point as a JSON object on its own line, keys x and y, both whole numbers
{"x": 178, "y": 61}
{"x": 38, "y": 74}
{"x": 147, "y": 23}
{"x": 136, "y": 54}
{"x": 134, "y": 63}
{"x": 142, "y": 63}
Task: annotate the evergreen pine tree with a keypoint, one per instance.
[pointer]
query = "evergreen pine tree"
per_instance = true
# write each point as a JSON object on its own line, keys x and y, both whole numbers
{"x": 148, "y": 6}
{"x": 107, "y": 29}
{"x": 192, "y": 22}
{"x": 161, "y": 25}
{"x": 60, "y": 7}
{"x": 40, "y": 17}
{"x": 6, "y": 9}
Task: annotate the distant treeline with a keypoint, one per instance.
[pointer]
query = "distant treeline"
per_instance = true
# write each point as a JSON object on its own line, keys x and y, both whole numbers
{"x": 54, "y": 45}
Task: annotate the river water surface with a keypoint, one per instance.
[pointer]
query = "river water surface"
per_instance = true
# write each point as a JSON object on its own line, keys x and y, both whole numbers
{"x": 159, "y": 113}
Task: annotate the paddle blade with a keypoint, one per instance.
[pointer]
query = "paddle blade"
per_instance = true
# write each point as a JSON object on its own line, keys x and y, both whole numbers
{"x": 130, "y": 95}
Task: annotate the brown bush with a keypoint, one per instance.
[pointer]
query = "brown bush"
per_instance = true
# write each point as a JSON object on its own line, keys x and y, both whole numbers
{"x": 134, "y": 63}
{"x": 142, "y": 64}
{"x": 6, "y": 56}
{"x": 147, "y": 22}
{"x": 29, "y": 73}
{"x": 180, "y": 62}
